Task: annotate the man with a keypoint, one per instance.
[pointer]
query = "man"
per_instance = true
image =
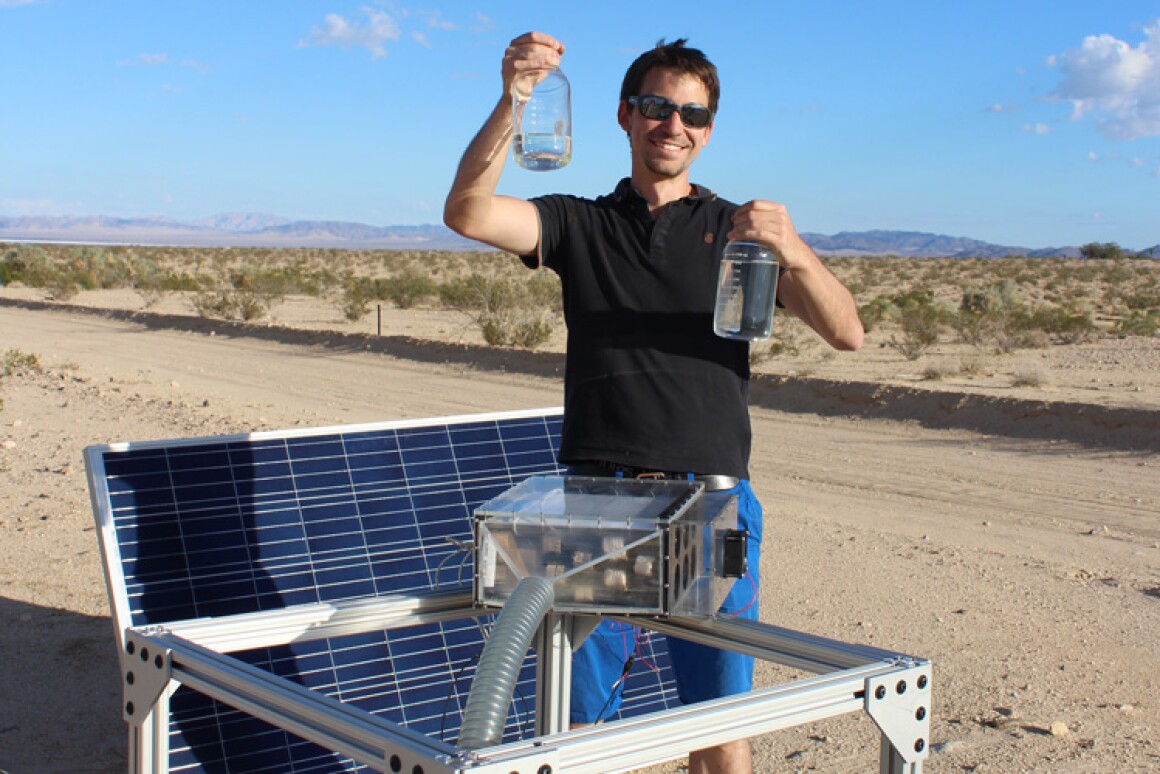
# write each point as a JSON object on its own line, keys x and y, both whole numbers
{"x": 648, "y": 387}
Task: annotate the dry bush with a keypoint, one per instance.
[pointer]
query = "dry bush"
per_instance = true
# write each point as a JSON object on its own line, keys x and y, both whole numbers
{"x": 1066, "y": 300}
{"x": 1029, "y": 377}
{"x": 508, "y": 312}
{"x": 936, "y": 372}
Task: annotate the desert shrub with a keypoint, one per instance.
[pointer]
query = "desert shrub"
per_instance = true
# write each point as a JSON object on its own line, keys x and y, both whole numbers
{"x": 16, "y": 362}
{"x": 995, "y": 316}
{"x": 920, "y": 321}
{"x": 995, "y": 298}
{"x": 920, "y": 328}
{"x": 1138, "y": 323}
{"x": 1031, "y": 377}
{"x": 150, "y": 281}
{"x": 228, "y": 304}
{"x": 260, "y": 288}
{"x": 359, "y": 292}
{"x": 356, "y": 297}
{"x": 936, "y": 372}
{"x": 1064, "y": 324}
{"x": 1141, "y": 300}
{"x": 409, "y": 287}
{"x": 525, "y": 329}
{"x": 508, "y": 312}
{"x": 971, "y": 365}
{"x": 786, "y": 339}
{"x": 11, "y": 268}
{"x": 1101, "y": 251}
{"x": 875, "y": 312}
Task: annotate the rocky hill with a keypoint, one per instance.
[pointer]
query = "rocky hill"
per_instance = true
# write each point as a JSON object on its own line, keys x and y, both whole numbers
{"x": 245, "y": 229}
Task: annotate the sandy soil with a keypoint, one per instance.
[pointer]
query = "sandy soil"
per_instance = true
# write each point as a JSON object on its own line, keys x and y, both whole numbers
{"x": 1008, "y": 533}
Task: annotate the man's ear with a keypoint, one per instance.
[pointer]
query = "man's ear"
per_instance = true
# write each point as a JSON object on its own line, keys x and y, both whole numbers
{"x": 623, "y": 114}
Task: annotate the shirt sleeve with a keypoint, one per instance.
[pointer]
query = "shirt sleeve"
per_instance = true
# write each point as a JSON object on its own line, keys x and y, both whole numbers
{"x": 553, "y": 217}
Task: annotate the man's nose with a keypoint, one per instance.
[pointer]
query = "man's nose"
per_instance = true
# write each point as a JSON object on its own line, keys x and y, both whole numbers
{"x": 674, "y": 123}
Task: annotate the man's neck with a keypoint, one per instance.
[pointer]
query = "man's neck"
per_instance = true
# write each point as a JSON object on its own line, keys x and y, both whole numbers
{"x": 661, "y": 192}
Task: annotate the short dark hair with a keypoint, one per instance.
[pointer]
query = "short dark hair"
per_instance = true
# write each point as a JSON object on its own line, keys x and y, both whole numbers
{"x": 677, "y": 56}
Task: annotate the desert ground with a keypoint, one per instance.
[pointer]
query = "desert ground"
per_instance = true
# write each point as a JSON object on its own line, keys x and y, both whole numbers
{"x": 1002, "y": 521}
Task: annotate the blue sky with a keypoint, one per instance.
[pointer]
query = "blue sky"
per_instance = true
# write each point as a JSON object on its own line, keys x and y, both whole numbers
{"x": 1027, "y": 123}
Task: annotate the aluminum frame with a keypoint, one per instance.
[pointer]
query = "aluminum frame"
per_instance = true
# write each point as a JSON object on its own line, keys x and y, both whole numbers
{"x": 894, "y": 689}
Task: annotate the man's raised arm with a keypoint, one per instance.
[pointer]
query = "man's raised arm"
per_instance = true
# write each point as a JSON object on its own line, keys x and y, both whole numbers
{"x": 473, "y": 209}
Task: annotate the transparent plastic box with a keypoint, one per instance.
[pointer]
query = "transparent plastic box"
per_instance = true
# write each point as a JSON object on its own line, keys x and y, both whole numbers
{"x": 610, "y": 545}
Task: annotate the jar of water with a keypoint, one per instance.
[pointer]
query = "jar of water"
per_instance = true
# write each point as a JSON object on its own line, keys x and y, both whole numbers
{"x": 542, "y": 120}
{"x": 746, "y": 292}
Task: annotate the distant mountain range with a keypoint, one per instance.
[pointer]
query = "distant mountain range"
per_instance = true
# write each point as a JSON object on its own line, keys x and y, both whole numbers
{"x": 248, "y": 229}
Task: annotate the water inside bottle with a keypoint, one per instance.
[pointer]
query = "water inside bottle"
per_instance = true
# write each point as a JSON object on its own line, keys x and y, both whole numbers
{"x": 746, "y": 292}
{"x": 542, "y": 121}
{"x": 542, "y": 152}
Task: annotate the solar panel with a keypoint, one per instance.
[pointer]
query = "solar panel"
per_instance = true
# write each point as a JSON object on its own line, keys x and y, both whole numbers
{"x": 213, "y": 527}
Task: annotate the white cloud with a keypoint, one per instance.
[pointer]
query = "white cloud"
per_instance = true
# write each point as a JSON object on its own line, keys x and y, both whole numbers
{"x": 999, "y": 108}
{"x": 1039, "y": 128}
{"x": 144, "y": 60}
{"x": 435, "y": 20}
{"x": 483, "y": 23}
{"x": 1115, "y": 83}
{"x": 372, "y": 34}
{"x": 200, "y": 68}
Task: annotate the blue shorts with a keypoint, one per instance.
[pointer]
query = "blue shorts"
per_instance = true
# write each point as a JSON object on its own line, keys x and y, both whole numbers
{"x": 701, "y": 672}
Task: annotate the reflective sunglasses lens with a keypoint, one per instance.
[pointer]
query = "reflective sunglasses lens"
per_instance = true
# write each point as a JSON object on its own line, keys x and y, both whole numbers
{"x": 695, "y": 116}
{"x": 656, "y": 108}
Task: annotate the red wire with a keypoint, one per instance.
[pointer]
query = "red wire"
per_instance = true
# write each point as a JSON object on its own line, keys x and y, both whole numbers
{"x": 642, "y": 638}
{"x": 752, "y": 599}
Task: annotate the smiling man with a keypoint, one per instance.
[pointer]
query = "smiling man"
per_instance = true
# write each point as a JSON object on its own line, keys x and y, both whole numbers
{"x": 649, "y": 389}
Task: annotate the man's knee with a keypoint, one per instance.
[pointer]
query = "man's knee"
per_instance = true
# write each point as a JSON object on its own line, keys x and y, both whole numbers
{"x": 729, "y": 758}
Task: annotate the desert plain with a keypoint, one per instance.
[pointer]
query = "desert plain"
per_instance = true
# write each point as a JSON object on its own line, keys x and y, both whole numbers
{"x": 997, "y": 512}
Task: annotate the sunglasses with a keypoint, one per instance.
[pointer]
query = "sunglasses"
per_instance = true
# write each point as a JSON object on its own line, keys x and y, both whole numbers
{"x": 659, "y": 109}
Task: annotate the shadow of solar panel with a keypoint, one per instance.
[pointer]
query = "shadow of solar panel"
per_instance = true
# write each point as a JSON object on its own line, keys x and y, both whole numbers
{"x": 215, "y": 527}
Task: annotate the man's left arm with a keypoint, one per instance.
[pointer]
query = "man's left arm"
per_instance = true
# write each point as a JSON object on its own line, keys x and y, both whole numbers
{"x": 806, "y": 287}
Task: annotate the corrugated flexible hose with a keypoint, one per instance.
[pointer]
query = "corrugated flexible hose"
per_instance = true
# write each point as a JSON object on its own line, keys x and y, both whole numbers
{"x": 499, "y": 665}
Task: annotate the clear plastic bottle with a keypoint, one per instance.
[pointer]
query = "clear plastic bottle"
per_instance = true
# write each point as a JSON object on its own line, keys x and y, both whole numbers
{"x": 746, "y": 292}
{"x": 542, "y": 121}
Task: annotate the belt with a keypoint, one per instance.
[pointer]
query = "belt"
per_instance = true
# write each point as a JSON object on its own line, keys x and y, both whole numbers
{"x": 712, "y": 482}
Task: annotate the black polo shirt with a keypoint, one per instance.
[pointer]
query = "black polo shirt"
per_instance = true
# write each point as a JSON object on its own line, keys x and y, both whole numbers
{"x": 647, "y": 383}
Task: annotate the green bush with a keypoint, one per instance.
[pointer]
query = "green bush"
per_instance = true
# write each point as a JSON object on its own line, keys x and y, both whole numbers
{"x": 875, "y": 312}
{"x": 242, "y": 305}
{"x": 1138, "y": 323}
{"x": 1063, "y": 324}
{"x": 11, "y": 268}
{"x": 921, "y": 324}
{"x": 16, "y": 362}
{"x": 508, "y": 312}
{"x": 409, "y": 287}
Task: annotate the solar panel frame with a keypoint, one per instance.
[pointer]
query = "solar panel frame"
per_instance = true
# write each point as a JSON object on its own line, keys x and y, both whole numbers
{"x": 316, "y": 516}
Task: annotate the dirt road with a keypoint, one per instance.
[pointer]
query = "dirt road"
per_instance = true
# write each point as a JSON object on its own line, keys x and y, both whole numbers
{"x": 1026, "y": 569}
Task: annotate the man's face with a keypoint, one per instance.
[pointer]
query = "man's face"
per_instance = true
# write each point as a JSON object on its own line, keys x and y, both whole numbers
{"x": 666, "y": 148}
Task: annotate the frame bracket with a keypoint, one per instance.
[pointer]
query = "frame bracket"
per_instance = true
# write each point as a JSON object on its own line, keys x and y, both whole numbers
{"x": 146, "y": 668}
{"x": 899, "y": 704}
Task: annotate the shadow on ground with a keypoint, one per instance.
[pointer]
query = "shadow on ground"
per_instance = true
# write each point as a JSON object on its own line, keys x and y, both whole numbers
{"x": 60, "y": 692}
{"x": 1085, "y": 424}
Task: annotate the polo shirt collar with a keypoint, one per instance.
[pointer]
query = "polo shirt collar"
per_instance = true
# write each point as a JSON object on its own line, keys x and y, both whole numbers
{"x": 626, "y": 193}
